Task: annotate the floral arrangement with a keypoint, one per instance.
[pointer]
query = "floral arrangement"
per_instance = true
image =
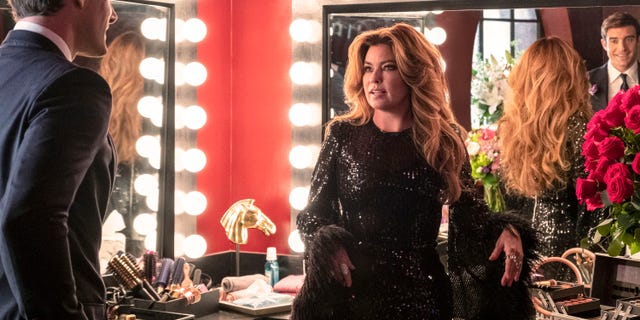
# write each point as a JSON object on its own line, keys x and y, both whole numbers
{"x": 488, "y": 86}
{"x": 612, "y": 161}
{"x": 482, "y": 146}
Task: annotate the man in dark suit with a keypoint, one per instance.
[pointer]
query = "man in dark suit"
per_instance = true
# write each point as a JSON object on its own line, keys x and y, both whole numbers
{"x": 619, "y": 33}
{"x": 56, "y": 161}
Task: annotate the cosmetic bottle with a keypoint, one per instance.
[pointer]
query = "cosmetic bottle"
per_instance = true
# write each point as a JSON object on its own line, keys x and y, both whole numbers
{"x": 271, "y": 268}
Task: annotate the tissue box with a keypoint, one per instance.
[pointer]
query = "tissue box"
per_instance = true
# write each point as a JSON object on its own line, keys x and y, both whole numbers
{"x": 208, "y": 304}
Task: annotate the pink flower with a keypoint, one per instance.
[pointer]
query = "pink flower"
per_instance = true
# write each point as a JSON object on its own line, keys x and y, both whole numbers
{"x": 619, "y": 189}
{"x": 611, "y": 148}
{"x": 632, "y": 120}
{"x": 635, "y": 165}
{"x": 594, "y": 203}
{"x": 616, "y": 170}
{"x": 593, "y": 89}
{"x": 586, "y": 188}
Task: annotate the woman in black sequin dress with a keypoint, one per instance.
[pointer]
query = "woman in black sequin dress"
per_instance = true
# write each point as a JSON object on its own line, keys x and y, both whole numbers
{"x": 384, "y": 172}
{"x": 541, "y": 135}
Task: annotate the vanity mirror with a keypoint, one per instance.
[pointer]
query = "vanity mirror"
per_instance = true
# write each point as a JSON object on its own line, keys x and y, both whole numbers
{"x": 141, "y": 76}
{"x": 501, "y": 24}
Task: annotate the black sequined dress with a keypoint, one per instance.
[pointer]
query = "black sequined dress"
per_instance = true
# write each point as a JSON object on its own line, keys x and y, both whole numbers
{"x": 377, "y": 187}
{"x": 561, "y": 221}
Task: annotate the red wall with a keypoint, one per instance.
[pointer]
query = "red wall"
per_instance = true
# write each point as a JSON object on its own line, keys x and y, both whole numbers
{"x": 247, "y": 96}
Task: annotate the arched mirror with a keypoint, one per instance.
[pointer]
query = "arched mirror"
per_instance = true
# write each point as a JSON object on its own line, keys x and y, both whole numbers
{"x": 139, "y": 68}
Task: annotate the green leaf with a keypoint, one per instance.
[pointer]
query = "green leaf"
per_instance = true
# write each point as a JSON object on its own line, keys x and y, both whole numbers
{"x": 604, "y": 227}
{"x": 615, "y": 247}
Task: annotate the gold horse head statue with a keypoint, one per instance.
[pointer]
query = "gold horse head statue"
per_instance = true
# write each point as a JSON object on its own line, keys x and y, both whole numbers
{"x": 244, "y": 215}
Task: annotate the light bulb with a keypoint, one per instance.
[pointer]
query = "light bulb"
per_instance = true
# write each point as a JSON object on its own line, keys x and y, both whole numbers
{"x": 298, "y": 197}
{"x": 295, "y": 241}
{"x": 194, "y": 117}
{"x": 301, "y": 157}
{"x": 305, "y": 73}
{"x": 194, "y": 203}
{"x": 178, "y": 202}
{"x": 195, "y": 73}
{"x": 437, "y": 36}
{"x": 194, "y": 160}
{"x": 195, "y": 30}
{"x": 148, "y": 106}
{"x": 145, "y": 184}
{"x": 147, "y": 146}
{"x": 150, "y": 241}
{"x": 194, "y": 246}
{"x": 145, "y": 223}
{"x": 152, "y": 200}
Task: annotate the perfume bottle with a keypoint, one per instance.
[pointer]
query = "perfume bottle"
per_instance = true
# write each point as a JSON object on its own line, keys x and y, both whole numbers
{"x": 271, "y": 268}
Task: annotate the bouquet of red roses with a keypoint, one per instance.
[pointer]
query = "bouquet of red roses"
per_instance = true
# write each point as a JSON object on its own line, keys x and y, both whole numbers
{"x": 612, "y": 160}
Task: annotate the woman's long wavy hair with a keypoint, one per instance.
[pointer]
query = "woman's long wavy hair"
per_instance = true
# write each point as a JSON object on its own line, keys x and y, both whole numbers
{"x": 120, "y": 67}
{"x": 548, "y": 85}
{"x": 435, "y": 131}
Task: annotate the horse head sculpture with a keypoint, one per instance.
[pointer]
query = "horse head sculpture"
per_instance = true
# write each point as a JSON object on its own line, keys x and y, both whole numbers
{"x": 244, "y": 215}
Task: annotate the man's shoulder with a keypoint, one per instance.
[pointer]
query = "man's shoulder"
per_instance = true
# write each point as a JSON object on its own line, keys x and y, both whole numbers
{"x": 598, "y": 70}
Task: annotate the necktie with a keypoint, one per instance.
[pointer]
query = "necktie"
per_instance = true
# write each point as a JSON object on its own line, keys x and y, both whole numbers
{"x": 624, "y": 86}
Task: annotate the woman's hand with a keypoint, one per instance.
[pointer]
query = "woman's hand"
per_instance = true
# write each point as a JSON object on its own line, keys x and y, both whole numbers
{"x": 342, "y": 267}
{"x": 510, "y": 243}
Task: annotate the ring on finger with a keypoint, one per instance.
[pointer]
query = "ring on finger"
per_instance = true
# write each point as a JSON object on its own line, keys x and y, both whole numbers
{"x": 344, "y": 268}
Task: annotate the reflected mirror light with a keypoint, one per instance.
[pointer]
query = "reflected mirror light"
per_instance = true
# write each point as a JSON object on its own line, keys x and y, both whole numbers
{"x": 145, "y": 184}
{"x": 145, "y": 223}
{"x": 150, "y": 107}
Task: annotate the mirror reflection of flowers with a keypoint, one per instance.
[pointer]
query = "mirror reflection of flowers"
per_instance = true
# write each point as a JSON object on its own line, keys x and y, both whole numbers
{"x": 488, "y": 86}
{"x": 612, "y": 161}
{"x": 482, "y": 146}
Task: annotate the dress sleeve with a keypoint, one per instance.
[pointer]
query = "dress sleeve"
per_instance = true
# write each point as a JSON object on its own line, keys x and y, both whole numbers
{"x": 473, "y": 232}
{"x": 322, "y": 208}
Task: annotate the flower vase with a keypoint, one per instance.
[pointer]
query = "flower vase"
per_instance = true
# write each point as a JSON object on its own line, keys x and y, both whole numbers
{"x": 493, "y": 197}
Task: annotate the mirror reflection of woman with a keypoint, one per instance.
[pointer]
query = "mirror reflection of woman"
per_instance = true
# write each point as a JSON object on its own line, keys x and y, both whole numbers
{"x": 541, "y": 135}
{"x": 120, "y": 67}
{"x": 385, "y": 170}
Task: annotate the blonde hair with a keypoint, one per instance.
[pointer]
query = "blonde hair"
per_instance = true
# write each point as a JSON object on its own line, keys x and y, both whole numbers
{"x": 548, "y": 85}
{"x": 435, "y": 131}
{"x": 120, "y": 67}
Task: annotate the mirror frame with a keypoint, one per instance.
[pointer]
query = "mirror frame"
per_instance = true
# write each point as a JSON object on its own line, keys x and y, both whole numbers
{"x": 166, "y": 179}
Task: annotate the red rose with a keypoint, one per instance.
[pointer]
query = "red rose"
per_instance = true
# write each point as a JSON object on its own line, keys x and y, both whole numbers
{"x": 613, "y": 116}
{"x": 631, "y": 98}
{"x": 586, "y": 188}
{"x": 632, "y": 120}
{"x": 594, "y": 203}
{"x": 635, "y": 165}
{"x": 601, "y": 169}
{"x": 616, "y": 170}
{"x": 590, "y": 150}
{"x": 611, "y": 147}
{"x": 619, "y": 189}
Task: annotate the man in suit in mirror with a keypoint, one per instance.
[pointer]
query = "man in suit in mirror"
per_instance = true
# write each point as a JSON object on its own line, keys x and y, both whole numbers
{"x": 56, "y": 161}
{"x": 619, "y": 33}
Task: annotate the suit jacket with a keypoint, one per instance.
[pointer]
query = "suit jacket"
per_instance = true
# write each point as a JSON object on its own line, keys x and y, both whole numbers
{"x": 56, "y": 172}
{"x": 599, "y": 79}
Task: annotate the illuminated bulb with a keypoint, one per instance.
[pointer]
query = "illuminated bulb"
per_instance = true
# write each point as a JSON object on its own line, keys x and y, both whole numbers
{"x": 178, "y": 163}
{"x": 154, "y": 160}
{"x": 145, "y": 184}
{"x": 156, "y": 119}
{"x": 178, "y": 202}
{"x": 195, "y": 73}
{"x": 149, "y": 106}
{"x": 437, "y": 36}
{"x": 178, "y": 242}
{"x": 437, "y": 11}
{"x": 145, "y": 223}
{"x": 147, "y": 146}
{"x": 194, "y": 160}
{"x": 162, "y": 34}
{"x": 195, "y": 30}
{"x": 302, "y": 30}
{"x": 150, "y": 241}
{"x": 295, "y": 241}
{"x": 194, "y": 117}
{"x": 300, "y": 114}
{"x": 301, "y": 157}
{"x": 150, "y": 28}
{"x": 179, "y": 117}
{"x": 152, "y": 201}
{"x": 305, "y": 73}
{"x": 298, "y": 197}
{"x": 179, "y": 29}
{"x": 179, "y": 74}
{"x": 194, "y": 203}
{"x": 153, "y": 69}
{"x": 194, "y": 246}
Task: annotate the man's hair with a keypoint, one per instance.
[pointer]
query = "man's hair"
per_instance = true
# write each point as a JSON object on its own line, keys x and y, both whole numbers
{"x": 619, "y": 20}
{"x": 28, "y": 8}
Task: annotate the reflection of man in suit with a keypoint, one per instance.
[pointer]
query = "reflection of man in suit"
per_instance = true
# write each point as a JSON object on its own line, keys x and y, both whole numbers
{"x": 56, "y": 161}
{"x": 619, "y": 33}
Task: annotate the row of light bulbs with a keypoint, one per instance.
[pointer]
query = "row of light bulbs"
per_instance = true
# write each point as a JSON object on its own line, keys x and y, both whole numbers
{"x": 192, "y": 117}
